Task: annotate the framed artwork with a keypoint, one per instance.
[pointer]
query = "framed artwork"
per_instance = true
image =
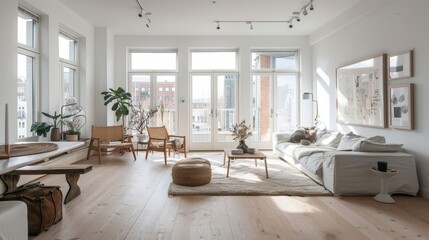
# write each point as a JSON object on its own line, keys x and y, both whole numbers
{"x": 361, "y": 93}
{"x": 401, "y": 106}
{"x": 401, "y": 65}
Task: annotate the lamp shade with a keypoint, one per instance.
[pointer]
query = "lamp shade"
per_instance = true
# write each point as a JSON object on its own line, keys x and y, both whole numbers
{"x": 307, "y": 95}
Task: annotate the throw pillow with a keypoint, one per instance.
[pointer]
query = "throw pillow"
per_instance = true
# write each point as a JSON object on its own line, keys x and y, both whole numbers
{"x": 349, "y": 141}
{"x": 305, "y": 142}
{"x": 320, "y": 130}
{"x": 331, "y": 139}
{"x": 368, "y": 146}
{"x": 299, "y": 134}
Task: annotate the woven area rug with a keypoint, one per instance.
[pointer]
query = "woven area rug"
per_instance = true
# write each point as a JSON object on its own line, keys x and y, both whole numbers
{"x": 247, "y": 180}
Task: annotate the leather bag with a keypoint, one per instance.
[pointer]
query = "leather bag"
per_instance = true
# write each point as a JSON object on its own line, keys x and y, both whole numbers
{"x": 44, "y": 205}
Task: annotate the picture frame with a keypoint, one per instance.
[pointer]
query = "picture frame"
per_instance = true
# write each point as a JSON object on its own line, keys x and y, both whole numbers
{"x": 401, "y": 106}
{"x": 401, "y": 65}
{"x": 361, "y": 93}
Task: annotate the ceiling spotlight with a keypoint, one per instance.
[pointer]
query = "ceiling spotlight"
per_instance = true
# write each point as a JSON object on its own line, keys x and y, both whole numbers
{"x": 251, "y": 26}
{"x": 140, "y": 14}
{"x": 290, "y": 24}
{"x": 298, "y": 19}
{"x": 311, "y": 5}
{"x": 147, "y": 25}
{"x": 304, "y": 12}
{"x": 218, "y": 27}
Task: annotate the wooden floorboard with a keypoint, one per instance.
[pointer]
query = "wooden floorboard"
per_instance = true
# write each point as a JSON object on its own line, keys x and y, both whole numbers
{"x": 126, "y": 199}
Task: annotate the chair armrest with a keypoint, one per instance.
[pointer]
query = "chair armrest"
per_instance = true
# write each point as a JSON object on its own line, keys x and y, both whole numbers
{"x": 176, "y": 136}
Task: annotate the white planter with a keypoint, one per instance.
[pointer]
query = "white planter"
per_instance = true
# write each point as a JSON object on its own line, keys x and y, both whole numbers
{"x": 74, "y": 137}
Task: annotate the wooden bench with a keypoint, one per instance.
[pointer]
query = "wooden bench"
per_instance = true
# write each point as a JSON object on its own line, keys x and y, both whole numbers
{"x": 72, "y": 173}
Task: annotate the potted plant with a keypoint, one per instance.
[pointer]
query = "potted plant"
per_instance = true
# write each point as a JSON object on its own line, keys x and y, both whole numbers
{"x": 56, "y": 118}
{"x": 240, "y": 131}
{"x": 74, "y": 124}
{"x": 121, "y": 102}
{"x": 140, "y": 119}
{"x": 41, "y": 128}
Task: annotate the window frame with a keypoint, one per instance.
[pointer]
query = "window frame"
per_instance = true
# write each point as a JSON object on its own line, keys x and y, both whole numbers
{"x": 237, "y": 62}
{"x": 73, "y": 65}
{"x": 34, "y": 53}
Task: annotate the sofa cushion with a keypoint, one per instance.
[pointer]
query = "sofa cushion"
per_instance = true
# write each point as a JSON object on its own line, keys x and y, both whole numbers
{"x": 368, "y": 146}
{"x": 349, "y": 141}
{"x": 377, "y": 139}
{"x": 330, "y": 139}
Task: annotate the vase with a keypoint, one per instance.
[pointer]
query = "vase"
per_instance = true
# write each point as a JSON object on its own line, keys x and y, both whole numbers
{"x": 243, "y": 146}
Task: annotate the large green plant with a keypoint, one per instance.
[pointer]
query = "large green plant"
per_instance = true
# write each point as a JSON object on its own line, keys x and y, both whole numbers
{"x": 121, "y": 102}
{"x": 41, "y": 128}
{"x": 56, "y": 118}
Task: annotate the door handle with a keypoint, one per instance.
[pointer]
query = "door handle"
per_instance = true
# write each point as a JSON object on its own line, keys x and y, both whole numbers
{"x": 272, "y": 112}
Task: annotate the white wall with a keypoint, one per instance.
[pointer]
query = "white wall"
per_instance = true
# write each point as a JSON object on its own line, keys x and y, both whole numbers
{"x": 184, "y": 43}
{"x": 392, "y": 27}
{"x": 8, "y": 69}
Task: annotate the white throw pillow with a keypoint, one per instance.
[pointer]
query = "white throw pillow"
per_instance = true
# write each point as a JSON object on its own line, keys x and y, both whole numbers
{"x": 368, "y": 146}
{"x": 331, "y": 139}
{"x": 349, "y": 141}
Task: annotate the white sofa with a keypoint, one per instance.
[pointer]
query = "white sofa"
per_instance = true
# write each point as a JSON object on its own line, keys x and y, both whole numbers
{"x": 13, "y": 220}
{"x": 348, "y": 172}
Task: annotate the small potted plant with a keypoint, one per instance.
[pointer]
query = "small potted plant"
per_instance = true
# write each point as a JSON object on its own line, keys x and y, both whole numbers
{"x": 74, "y": 124}
{"x": 41, "y": 128}
{"x": 56, "y": 118}
{"x": 240, "y": 131}
{"x": 140, "y": 119}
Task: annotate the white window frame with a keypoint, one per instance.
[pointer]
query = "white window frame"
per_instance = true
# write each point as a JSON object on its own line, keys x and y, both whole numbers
{"x": 73, "y": 65}
{"x": 33, "y": 52}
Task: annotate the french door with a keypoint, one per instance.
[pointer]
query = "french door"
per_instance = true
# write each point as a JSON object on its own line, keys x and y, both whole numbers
{"x": 213, "y": 110}
{"x": 275, "y": 106}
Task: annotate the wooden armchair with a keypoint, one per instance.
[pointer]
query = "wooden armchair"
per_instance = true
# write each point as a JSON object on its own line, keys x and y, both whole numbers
{"x": 109, "y": 137}
{"x": 161, "y": 141}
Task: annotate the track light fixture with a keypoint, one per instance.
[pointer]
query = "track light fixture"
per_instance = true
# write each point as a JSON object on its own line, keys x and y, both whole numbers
{"x": 295, "y": 16}
{"x": 143, "y": 13}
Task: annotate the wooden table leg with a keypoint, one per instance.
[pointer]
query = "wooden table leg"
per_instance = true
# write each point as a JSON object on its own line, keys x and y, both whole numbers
{"x": 227, "y": 171}
{"x": 11, "y": 181}
{"x": 266, "y": 169}
{"x": 224, "y": 157}
{"x": 74, "y": 189}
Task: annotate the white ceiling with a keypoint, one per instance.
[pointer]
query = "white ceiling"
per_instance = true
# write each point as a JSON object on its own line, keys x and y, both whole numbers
{"x": 196, "y": 17}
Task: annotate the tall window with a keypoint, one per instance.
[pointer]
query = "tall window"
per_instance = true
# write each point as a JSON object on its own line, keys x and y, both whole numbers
{"x": 275, "y": 76}
{"x": 27, "y": 75}
{"x": 68, "y": 64}
{"x": 151, "y": 73}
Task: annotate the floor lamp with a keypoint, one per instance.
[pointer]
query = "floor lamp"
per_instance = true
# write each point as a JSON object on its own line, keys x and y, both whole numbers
{"x": 308, "y": 95}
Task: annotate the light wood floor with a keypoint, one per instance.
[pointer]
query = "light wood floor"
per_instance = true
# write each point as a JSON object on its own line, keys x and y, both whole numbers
{"x": 123, "y": 199}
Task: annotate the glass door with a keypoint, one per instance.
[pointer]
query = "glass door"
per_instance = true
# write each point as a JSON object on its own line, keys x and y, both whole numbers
{"x": 275, "y": 106}
{"x": 214, "y": 104}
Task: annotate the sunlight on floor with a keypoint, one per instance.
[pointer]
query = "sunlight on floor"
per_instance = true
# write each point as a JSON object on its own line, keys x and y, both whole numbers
{"x": 293, "y": 205}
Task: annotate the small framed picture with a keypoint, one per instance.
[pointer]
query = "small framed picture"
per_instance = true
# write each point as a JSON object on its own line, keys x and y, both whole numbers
{"x": 401, "y": 65}
{"x": 401, "y": 106}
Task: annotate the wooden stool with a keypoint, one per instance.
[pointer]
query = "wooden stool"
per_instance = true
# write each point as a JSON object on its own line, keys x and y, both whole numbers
{"x": 192, "y": 172}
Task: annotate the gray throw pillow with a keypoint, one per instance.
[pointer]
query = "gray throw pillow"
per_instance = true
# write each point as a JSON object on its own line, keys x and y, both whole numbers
{"x": 299, "y": 134}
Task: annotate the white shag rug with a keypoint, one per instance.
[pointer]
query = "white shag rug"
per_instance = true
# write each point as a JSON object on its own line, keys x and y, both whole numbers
{"x": 247, "y": 180}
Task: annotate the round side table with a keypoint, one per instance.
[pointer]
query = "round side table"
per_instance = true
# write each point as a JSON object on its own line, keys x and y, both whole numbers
{"x": 384, "y": 196}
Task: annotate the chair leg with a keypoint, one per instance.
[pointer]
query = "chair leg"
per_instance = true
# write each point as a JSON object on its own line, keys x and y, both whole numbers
{"x": 89, "y": 149}
{"x": 134, "y": 154}
{"x": 147, "y": 152}
{"x": 99, "y": 155}
{"x": 165, "y": 157}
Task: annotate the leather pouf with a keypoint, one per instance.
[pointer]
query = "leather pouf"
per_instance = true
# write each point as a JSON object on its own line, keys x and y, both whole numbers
{"x": 192, "y": 172}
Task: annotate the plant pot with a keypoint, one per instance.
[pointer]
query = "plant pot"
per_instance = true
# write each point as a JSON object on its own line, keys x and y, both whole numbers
{"x": 141, "y": 137}
{"x": 55, "y": 134}
{"x": 72, "y": 137}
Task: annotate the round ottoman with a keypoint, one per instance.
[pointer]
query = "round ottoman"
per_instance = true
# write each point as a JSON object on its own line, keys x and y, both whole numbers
{"x": 192, "y": 172}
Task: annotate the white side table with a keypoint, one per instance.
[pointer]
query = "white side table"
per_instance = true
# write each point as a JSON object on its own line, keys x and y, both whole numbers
{"x": 384, "y": 196}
